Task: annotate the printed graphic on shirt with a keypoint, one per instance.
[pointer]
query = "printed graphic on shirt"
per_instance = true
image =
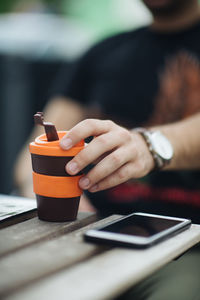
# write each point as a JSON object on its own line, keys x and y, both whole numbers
{"x": 179, "y": 93}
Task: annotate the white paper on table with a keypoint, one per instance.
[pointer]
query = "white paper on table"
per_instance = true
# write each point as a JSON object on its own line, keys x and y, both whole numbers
{"x": 12, "y": 206}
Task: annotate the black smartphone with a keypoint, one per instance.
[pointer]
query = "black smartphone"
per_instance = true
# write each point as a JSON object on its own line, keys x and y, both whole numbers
{"x": 137, "y": 230}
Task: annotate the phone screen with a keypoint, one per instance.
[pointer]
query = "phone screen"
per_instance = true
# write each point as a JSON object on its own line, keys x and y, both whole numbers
{"x": 143, "y": 226}
{"x": 139, "y": 230}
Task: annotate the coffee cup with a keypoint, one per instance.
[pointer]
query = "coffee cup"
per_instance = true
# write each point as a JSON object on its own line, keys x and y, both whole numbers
{"x": 57, "y": 192}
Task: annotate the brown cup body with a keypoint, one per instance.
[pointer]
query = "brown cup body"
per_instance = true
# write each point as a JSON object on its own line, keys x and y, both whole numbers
{"x": 57, "y": 209}
{"x": 54, "y": 209}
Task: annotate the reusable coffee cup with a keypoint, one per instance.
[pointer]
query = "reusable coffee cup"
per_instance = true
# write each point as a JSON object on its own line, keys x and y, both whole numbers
{"x": 57, "y": 192}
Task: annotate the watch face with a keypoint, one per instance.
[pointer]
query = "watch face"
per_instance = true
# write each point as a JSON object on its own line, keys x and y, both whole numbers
{"x": 161, "y": 145}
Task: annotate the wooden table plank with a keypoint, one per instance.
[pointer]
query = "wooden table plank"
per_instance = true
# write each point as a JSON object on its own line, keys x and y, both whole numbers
{"x": 110, "y": 273}
{"x": 32, "y": 263}
{"x": 34, "y": 230}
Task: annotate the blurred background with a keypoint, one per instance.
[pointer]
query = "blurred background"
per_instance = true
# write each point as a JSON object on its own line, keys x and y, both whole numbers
{"x": 37, "y": 38}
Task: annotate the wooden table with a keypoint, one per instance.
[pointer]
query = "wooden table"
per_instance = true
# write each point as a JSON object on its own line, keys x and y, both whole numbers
{"x": 41, "y": 260}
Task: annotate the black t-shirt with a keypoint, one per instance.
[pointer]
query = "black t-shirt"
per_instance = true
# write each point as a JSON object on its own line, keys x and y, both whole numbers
{"x": 143, "y": 78}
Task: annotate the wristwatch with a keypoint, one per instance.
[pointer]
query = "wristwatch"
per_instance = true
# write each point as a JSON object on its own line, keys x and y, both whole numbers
{"x": 159, "y": 146}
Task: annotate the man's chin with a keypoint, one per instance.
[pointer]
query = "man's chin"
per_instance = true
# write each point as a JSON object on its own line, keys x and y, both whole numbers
{"x": 164, "y": 7}
{"x": 157, "y": 4}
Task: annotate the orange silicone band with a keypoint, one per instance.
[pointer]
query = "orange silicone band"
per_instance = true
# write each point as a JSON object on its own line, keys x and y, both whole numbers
{"x": 55, "y": 186}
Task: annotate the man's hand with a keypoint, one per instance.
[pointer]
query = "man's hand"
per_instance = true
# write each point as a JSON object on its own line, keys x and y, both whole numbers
{"x": 118, "y": 154}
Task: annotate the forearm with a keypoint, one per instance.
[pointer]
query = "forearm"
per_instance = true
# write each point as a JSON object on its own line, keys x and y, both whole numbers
{"x": 185, "y": 138}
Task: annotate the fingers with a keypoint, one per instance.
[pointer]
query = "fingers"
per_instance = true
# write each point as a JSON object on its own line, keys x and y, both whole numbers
{"x": 105, "y": 167}
{"x": 84, "y": 129}
{"x": 93, "y": 152}
{"x": 119, "y": 176}
{"x": 116, "y": 168}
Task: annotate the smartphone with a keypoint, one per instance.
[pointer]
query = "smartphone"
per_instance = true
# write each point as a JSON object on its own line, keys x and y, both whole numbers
{"x": 137, "y": 230}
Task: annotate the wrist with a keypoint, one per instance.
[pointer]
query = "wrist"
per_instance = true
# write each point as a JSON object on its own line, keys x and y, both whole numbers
{"x": 158, "y": 145}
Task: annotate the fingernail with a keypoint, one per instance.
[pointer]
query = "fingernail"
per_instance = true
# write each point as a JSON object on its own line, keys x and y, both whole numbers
{"x": 72, "y": 167}
{"x": 66, "y": 143}
{"x": 94, "y": 188}
{"x": 84, "y": 182}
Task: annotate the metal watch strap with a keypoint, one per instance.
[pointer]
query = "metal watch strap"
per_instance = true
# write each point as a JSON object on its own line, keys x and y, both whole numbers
{"x": 159, "y": 162}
